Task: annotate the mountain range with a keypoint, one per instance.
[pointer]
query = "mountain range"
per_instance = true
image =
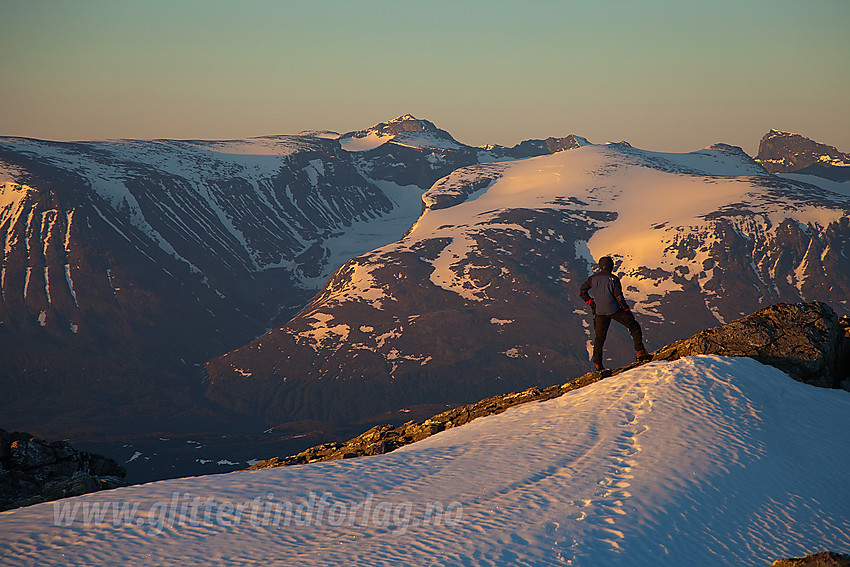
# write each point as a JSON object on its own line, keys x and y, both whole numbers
{"x": 294, "y": 284}
{"x": 481, "y": 295}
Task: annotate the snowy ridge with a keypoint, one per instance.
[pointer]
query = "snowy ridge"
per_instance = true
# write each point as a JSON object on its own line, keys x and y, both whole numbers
{"x": 719, "y": 159}
{"x": 461, "y": 184}
{"x": 703, "y": 461}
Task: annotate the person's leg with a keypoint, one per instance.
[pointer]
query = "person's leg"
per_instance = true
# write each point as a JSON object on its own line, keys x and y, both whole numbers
{"x": 628, "y": 320}
{"x": 600, "y": 327}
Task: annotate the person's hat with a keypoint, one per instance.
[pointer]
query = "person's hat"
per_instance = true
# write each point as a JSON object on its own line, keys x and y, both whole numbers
{"x": 606, "y": 263}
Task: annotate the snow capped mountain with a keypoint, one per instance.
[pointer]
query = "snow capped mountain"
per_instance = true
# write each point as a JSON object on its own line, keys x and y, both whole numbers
{"x": 703, "y": 461}
{"x": 405, "y": 130}
{"x": 428, "y": 153}
{"x": 126, "y": 263}
{"x": 480, "y": 296}
{"x": 406, "y": 151}
{"x": 784, "y": 152}
{"x": 167, "y": 251}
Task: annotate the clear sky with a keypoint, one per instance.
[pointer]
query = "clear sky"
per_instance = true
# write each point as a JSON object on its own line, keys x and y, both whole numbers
{"x": 663, "y": 74}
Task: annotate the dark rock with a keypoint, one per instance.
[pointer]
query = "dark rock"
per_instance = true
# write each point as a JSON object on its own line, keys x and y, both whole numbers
{"x": 784, "y": 152}
{"x": 804, "y": 340}
{"x": 820, "y": 559}
{"x": 839, "y": 174}
{"x": 807, "y": 341}
{"x": 33, "y": 470}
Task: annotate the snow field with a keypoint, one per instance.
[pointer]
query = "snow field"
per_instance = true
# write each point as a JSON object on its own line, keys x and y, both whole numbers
{"x": 701, "y": 461}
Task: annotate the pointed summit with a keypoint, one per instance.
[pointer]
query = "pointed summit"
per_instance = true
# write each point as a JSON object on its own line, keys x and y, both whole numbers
{"x": 405, "y": 117}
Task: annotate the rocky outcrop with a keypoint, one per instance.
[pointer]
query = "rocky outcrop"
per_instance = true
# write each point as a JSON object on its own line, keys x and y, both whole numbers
{"x": 33, "y": 470}
{"x": 784, "y": 152}
{"x": 820, "y": 559}
{"x": 804, "y": 340}
{"x": 808, "y": 341}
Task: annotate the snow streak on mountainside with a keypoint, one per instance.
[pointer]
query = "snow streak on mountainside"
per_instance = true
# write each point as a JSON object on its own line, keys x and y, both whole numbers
{"x": 480, "y": 297}
{"x": 703, "y": 461}
{"x": 35, "y": 265}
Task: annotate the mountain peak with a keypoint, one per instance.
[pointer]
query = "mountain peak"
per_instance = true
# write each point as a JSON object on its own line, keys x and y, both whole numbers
{"x": 774, "y": 132}
{"x": 407, "y": 123}
{"x": 404, "y": 118}
{"x": 405, "y": 130}
{"x": 786, "y": 152}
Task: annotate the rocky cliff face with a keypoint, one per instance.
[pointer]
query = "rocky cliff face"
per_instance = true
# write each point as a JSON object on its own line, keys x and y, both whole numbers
{"x": 807, "y": 341}
{"x": 784, "y": 152}
{"x": 33, "y": 470}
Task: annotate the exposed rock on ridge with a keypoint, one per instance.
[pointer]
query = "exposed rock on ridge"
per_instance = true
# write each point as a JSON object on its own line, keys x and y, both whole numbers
{"x": 784, "y": 152}
{"x": 33, "y": 470}
{"x": 820, "y": 559}
{"x": 808, "y": 341}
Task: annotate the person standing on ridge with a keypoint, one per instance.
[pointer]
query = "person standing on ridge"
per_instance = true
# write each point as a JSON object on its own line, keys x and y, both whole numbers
{"x": 608, "y": 303}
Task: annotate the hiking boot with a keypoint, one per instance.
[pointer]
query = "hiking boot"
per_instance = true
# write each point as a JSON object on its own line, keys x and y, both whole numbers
{"x": 599, "y": 366}
{"x": 643, "y": 356}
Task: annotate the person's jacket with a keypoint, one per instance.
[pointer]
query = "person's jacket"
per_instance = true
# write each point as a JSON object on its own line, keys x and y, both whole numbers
{"x": 607, "y": 293}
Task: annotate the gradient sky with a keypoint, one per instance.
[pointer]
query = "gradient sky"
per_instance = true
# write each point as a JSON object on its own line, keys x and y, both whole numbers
{"x": 672, "y": 75}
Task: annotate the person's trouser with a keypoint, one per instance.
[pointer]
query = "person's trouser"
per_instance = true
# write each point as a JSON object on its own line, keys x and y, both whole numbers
{"x": 601, "y": 324}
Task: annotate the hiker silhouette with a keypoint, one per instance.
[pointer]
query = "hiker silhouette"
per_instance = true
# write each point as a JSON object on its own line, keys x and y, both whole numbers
{"x": 607, "y": 303}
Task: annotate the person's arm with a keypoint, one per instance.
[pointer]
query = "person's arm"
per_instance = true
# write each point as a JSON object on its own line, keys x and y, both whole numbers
{"x": 618, "y": 294}
{"x": 582, "y": 291}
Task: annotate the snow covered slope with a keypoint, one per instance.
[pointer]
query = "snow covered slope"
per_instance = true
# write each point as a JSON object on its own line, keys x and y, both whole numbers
{"x": 703, "y": 461}
{"x": 481, "y": 295}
